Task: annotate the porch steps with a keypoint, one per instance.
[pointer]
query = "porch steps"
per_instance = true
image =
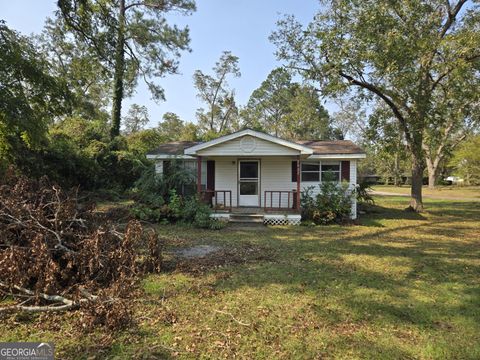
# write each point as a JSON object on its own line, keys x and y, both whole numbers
{"x": 246, "y": 218}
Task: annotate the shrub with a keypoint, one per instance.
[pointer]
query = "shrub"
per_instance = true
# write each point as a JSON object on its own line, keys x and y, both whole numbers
{"x": 363, "y": 194}
{"x": 198, "y": 213}
{"x": 332, "y": 203}
{"x": 158, "y": 199}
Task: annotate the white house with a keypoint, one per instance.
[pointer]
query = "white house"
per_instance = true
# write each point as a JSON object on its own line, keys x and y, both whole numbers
{"x": 259, "y": 173}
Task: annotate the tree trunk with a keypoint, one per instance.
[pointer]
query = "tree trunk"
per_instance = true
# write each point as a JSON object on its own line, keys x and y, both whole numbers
{"x": 416, "y": 201}
{"x": 395, "y": 174}
{"x": 432, "y": 169}
{"x": 119, "y": 73}
{"x": 432, "y": 179}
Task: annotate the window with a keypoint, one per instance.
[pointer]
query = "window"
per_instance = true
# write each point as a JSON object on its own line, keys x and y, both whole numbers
{"x": 317, "y": 171}
{"x": 191, "y": 166}
{"x": 331, "y": 172}
{"x": 249, "y": 170}
{"x": 189, "y": 188}
{"x": 249, "y": 188}
{"x": 311, "y": 171}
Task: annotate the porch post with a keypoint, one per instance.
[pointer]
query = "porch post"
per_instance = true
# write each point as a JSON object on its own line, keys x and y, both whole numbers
{"x": 297, "y": 205}
{"x": 199, "y": 175}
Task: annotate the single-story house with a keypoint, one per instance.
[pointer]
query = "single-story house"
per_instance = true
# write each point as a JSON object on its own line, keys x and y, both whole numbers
{"x": 250, "y": 171}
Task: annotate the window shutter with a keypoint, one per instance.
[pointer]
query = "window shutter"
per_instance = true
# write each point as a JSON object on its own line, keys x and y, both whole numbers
{"x": 211, "y": 175}
{"x": 346, "y": 171}
{"x": 166, "y": 167}
{"x": 294, "y": 171}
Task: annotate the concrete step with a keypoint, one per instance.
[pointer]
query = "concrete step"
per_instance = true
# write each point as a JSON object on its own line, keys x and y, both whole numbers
{"x": 246, "y": 218}
{"x": 246, "y": 221}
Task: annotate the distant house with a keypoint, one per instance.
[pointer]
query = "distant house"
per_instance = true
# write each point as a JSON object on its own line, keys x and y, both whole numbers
{"x": 250, "y": 171}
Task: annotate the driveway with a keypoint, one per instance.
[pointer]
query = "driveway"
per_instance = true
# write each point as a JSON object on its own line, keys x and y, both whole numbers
{"x": 436, "y": 197}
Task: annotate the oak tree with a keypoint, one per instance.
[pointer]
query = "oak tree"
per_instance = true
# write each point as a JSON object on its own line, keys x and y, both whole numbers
{"x": 402, "y": 52}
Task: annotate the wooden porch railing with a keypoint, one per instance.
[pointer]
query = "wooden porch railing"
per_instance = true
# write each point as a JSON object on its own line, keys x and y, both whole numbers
{"x": 209, "y": 195}
{"x": 271, "y": 196}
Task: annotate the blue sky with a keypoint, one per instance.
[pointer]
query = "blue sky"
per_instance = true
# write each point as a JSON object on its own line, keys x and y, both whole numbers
{"x": 242, "y": 27}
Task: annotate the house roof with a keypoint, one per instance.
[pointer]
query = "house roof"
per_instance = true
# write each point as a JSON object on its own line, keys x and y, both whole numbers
{"x": 315, "y": 148}
{"x": 222, "y": 139}
{"x": 332, "y": 147}
{"x": 173, "y": 148}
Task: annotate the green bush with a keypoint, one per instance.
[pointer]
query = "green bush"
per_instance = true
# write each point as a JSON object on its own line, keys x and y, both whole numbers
{"x": 160, "y": 194}
{"x": 331, "y": 205}
{"x": 363, "y": 193}
{"x": 146, "y": 213}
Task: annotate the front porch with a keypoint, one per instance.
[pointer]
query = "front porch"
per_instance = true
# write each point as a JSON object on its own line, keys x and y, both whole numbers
{"x": 272, "y": 201}
{"x": 258, "y": 215}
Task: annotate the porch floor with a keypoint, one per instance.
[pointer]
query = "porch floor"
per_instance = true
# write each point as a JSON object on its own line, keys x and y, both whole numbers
{"x": 251, "y": 215}
{"x": 257, "y": 210}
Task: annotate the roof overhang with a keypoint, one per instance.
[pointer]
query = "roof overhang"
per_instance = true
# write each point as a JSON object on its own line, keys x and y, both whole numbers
{"x": 168, "y": 157}
{"x": 303, "y": 150}
{"x": 338, "y": 156}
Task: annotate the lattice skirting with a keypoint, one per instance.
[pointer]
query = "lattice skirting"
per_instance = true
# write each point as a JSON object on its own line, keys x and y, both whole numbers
{"x": 282, "y": 219}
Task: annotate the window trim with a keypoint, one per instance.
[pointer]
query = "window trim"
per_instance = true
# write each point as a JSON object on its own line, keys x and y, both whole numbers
{"x": 320, "y": 171}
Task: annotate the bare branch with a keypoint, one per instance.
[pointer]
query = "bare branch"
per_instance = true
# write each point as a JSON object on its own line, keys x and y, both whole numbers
{"x": 384, "y": 97}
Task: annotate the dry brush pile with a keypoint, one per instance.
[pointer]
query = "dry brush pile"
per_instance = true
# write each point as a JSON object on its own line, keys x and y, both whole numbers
{"x": 58, "y": 255}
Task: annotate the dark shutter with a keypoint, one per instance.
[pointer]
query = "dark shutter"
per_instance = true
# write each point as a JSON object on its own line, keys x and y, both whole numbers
{"x": 294, "y": 171}
{"x": 346, "y": 171}
{"x": 210, "y": 175}
{"x": 166, "y": 167}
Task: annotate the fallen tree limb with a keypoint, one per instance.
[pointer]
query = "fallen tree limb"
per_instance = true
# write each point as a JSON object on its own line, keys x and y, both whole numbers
{"x": 67, "y": 303}
{"x": 233, "y": 318}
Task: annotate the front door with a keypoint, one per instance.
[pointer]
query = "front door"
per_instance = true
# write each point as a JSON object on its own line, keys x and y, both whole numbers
{"x": 248, "y": 182}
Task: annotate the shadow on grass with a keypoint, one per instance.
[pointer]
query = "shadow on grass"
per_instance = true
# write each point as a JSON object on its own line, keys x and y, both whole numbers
{"x": 418, "y": 275}
{"x": 373, "y": 214}
{"x": 399, "y": 274}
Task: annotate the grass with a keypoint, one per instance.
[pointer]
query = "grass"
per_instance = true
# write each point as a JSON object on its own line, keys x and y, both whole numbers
{"x": 400, "y": 285}
{"x": 439, "y": 191}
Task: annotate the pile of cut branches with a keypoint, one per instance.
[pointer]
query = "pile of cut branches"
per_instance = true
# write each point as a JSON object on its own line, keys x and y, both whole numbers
{"x": 57, "y": 254}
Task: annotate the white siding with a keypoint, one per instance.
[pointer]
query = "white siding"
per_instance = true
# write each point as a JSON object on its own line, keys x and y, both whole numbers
{"x": 353, "y": 185}
{"x": 276, "y": 174}
{"x": 234, "y": 148}
{"x": 226, "y": 178}
{"x": 159, "y": 166}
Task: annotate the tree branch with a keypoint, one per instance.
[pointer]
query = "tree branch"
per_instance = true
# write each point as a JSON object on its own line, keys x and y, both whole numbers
{"x": 452, "y": 14}
{"x": 388, "y": 101}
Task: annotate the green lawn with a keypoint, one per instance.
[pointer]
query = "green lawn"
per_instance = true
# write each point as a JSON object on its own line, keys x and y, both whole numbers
{"x": 400, "y": 285}
{"x": 438, "y": 191}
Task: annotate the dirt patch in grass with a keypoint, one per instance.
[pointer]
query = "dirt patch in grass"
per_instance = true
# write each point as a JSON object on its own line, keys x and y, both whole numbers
{"x": 198, "y": 251}
{"x": 205, "y": 258}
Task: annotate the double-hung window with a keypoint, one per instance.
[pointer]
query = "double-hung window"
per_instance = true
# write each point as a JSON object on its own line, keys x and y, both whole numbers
{"x": 331, "y": 171}
{"x": 310, "y": 171}
{"x": 318, "y": 171}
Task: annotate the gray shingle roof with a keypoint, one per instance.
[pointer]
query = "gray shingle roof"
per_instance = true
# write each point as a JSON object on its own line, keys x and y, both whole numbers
{"x": 173, "y": 148}
{"x": 332, "y": 147}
